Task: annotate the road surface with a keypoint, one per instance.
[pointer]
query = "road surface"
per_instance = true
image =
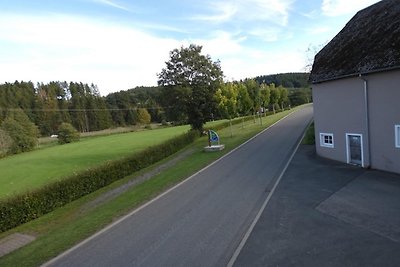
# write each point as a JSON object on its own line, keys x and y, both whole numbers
{"x": 202, "y": 221}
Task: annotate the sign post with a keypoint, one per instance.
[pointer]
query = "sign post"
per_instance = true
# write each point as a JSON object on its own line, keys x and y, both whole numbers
{"x": 213, "y": 142}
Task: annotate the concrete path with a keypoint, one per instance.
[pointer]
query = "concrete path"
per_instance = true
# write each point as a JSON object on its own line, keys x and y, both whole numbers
{"x": 201, "y": 221}
{"x": 13, "y": 242}
{"x": 325, "y": 213}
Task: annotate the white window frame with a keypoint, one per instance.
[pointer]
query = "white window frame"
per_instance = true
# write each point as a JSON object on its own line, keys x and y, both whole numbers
{"x": 397, "y": 136}
{"x": 322, "y": 140}
{"x": 348, "y": 148}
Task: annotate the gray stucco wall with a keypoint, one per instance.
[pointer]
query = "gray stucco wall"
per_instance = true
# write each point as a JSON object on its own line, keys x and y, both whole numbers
{"x": 339, "y": 108}
{"x": 384, "y": 98}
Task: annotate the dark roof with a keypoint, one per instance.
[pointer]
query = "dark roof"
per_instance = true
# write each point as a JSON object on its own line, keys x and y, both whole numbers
{"x": 370, "y": 42}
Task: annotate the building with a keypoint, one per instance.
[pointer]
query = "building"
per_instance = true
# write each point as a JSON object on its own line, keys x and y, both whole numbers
{"x": 356, "y": 90}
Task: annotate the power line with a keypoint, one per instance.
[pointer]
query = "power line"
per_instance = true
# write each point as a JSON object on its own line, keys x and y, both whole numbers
{"x": 81, "y": 109}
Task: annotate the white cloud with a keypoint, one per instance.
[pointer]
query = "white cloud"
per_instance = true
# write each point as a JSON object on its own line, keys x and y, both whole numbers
{"x": 71, "y": 48}
{"x": 275, "y": 11}
{"x": 223, "y": 12}
{"x": 266, "y": 34}
{"x": 116, "y": 57}
{"x": 252, "y": 63}
{"x": 111, "y": 3}
{"x": 335, "y": 8}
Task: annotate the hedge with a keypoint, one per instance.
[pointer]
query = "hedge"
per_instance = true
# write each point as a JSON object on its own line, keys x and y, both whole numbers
{"x": 31, "y": 205}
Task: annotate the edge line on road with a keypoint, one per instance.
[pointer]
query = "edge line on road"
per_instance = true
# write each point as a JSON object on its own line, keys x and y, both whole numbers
{"x": 264, "y": 205}
{"x": 105, "y": 229}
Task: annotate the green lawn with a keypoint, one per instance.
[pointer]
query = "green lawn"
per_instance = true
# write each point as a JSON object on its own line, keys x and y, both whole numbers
{"x": 30, "y": 170}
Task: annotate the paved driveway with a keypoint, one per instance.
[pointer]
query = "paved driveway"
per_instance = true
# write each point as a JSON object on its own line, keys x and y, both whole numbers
{"x": 325, "y": 213}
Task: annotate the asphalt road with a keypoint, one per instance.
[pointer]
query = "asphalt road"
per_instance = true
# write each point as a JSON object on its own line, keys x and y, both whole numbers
{"x": 202, "y": 221}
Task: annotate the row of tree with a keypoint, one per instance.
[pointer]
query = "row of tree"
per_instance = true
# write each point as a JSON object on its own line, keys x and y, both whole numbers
{"x": 244, "y": 98}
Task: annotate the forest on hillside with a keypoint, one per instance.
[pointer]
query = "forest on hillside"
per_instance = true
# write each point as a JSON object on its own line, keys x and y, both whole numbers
{"x": 287, "y": 80}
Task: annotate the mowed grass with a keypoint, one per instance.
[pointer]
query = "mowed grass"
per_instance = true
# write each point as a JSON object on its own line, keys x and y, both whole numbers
{"x": 34, "y": 169}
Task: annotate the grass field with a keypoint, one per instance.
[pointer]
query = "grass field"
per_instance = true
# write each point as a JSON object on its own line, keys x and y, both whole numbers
{"x": 33, "y": 169}
{"x": 64, "y": 227}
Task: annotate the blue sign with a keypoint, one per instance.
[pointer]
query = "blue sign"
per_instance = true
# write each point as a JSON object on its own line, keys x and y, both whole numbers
{"x": 213, "y": 136}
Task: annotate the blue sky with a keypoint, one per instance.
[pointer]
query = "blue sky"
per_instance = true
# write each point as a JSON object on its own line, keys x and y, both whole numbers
{"x": 120, "y": 44}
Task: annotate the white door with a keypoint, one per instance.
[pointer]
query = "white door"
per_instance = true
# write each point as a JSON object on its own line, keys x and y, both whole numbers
{"x": 354, "y": 149}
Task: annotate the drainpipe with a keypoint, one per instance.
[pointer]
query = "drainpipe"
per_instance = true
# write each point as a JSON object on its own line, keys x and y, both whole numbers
{"x": 366, "y": 109}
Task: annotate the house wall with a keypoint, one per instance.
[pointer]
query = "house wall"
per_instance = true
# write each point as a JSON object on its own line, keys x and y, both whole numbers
{"x": 339, "y": 108}
{"x": 384, "y": 98}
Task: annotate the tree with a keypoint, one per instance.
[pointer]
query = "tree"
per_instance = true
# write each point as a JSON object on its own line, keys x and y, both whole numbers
{"x": 283, "y": 97}
{"x": 275, "y": 96}
{"x": 254, "y": 92}
{"x": 300, "y": 96}
{"x": 192, "y": 79}
{"x": 6, "y": 143}
{"x": 22, "y": 131}
{"x": 143, "y": 116}
{"x": 244, "y": 101}
{"x": 226, "y": 97}
{"x": 67, "y": 133}
{"x": 48, "y": 116}
{"x": 265, "y": 95}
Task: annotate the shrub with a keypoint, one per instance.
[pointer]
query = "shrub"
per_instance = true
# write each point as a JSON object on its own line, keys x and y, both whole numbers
{"x": 6, "y": 143}
{"x": 22, "y": 132}
{"x": 26, "y": 207}
{"x": 67, "y": 133}
{"x": 143, "y": 116}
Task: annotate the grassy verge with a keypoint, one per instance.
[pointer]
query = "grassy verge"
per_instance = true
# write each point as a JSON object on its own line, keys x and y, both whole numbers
{"x": 61, "y": 229}
{"x": 309, "y": 138}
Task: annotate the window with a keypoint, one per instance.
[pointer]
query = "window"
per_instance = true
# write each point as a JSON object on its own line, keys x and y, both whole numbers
{"x": 397, "y": 135}
{"x": 326, "y": 139}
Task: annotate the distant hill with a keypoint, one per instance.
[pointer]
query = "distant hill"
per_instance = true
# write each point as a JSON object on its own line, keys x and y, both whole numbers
{"x": 288, "y": 80}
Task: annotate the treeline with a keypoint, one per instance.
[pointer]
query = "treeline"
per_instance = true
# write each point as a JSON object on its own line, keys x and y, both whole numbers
{"x": 287, "y": 80}
{"x": 250, "y": 97}
{"x": 48, "y": 105}
{"x": 28, "y": 111}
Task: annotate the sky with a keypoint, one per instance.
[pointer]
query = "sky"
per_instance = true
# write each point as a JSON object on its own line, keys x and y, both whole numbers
{"x": 121, "y": 44}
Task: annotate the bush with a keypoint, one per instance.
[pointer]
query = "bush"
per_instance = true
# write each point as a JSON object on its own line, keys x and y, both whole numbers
{"x": 67, "y": 133}
{"x": 23, "y": 134}
{"x": 26, "y": 207}
{"x": 6, "y": 143}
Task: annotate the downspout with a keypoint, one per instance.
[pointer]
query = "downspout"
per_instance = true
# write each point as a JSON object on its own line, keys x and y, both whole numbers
{"x": 366, "y": 109}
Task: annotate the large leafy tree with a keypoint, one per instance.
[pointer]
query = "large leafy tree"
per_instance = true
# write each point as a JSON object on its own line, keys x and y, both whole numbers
{"x": 189, "y": 82}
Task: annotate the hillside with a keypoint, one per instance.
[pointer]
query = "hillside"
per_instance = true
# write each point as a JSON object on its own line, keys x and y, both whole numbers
{"x": 287, "y": 80}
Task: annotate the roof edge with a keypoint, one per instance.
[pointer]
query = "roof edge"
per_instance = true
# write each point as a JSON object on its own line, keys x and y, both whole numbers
{"x": 355, "y": 74}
